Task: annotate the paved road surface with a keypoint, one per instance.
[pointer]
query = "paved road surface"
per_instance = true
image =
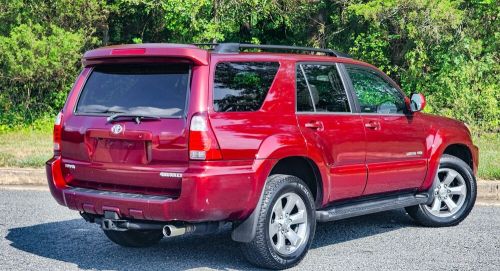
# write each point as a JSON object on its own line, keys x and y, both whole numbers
{"x": 37, "y": 234}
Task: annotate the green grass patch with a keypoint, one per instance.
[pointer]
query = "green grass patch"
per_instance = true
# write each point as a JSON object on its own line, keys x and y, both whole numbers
{"x": 25, "y": 147}
{"x": 489, "y": 156}
{"x": 31, "y": 148}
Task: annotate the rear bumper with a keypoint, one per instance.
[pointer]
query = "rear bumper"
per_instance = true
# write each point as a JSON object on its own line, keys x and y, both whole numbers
{"x": 211, "y": 191}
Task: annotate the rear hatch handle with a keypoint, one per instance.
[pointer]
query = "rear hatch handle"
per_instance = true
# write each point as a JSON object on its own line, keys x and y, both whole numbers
{"x": 136, "y": 117}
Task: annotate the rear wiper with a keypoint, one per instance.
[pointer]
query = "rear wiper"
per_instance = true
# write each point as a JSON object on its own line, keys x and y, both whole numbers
{"x": 136, "y": 117}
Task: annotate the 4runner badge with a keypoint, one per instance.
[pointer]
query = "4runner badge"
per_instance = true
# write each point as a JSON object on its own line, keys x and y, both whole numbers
{"x": 116, "y": 129}
{"x": 170, "y": 175}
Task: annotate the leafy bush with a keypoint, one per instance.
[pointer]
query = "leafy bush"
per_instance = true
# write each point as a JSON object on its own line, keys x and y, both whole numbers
{"x": 446, "y": 49}
{"x": 37, "y": 67}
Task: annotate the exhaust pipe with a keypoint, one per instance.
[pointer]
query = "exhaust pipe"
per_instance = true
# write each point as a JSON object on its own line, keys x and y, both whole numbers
{"x": 195, "y": 229}
{"x": 172, "y": 231}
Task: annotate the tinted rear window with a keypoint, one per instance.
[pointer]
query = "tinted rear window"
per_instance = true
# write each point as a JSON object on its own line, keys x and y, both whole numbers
{"x": 242, "y": 86}
{"x": 153, "y": 89}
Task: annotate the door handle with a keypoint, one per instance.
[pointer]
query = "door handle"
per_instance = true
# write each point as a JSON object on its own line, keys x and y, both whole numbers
{"x": 375, "y": 125}
{"x": 316, "y": 125}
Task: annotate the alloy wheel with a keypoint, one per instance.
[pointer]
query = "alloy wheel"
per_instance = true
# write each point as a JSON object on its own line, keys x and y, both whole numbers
{"x": 449, "y": 194}
{"x": 288, "y": 224}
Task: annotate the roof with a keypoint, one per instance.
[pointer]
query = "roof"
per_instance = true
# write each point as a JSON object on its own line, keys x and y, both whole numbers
{"x": 194, "y": 53}
{"x": 191, "y": 52}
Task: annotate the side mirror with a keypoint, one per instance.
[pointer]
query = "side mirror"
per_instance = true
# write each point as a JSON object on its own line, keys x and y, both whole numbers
{"x": 416, "y": 102}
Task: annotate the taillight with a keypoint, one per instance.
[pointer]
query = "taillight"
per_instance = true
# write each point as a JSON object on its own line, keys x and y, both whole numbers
{"x": 57, "y": 133}
{"x": 202, "y": 142}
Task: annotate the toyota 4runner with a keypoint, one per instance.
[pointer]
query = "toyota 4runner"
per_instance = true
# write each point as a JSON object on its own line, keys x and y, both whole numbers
{"x": 162, "y": 140}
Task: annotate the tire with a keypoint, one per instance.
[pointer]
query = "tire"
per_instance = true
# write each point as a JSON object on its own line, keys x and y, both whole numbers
{"x": 439, "y": 214}
{"x": 134, "y": 238}
{"x": 267, "y": 251}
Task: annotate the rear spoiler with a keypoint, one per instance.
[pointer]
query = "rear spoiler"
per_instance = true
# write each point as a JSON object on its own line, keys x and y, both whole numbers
{"x": 144, "y": 51}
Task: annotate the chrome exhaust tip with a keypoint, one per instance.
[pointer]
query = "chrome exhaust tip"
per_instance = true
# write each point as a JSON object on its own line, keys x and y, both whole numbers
{"x": 172, "y": 231}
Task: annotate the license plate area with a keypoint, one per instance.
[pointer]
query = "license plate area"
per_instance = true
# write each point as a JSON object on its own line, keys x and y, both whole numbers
{"x": 120, "y": 151}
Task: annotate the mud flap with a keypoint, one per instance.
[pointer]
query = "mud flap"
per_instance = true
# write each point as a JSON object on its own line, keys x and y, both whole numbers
{"x": 245, "y": 232}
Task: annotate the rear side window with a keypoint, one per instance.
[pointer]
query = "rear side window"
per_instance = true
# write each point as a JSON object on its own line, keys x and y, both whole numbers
{"x": 242, "y": 86}
{"x": 152, "y": 89}
{"x": 320, "y": 89}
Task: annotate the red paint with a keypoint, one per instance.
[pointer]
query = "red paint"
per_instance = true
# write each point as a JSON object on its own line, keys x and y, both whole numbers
{"x": 391, "y": 152}
{"x": 356, "y": 154}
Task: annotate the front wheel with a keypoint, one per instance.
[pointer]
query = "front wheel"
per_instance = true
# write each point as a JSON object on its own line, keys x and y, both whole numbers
{"x": 454, "y": 195}
{"x": 286, "y": 224}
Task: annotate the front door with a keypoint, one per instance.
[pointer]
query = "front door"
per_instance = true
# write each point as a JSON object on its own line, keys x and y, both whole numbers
{"x": 325, "y": 117}
{"x": 395, "y": 140}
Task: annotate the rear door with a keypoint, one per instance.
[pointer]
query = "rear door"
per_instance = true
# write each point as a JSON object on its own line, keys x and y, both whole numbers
{"x": 129, "y": 154}
{"x": 326, "y": 119}
{"x": 395, "y": 141}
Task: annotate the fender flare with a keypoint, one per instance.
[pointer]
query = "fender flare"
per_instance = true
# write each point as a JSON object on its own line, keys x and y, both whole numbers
{"x": 443, "y": 138}
{"x": 245, "y": 231}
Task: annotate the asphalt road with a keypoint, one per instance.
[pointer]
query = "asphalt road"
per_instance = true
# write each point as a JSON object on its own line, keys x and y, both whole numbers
{"x": 37, "y": 234}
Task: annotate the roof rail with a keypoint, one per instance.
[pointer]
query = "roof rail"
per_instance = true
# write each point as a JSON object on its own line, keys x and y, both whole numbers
{"x": 237, "y": 47}
{"x": 205, "y": 44}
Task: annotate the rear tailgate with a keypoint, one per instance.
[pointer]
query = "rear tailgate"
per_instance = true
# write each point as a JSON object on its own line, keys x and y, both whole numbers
{"x": 145, "y": 155}
{"x": 141, "y": 159}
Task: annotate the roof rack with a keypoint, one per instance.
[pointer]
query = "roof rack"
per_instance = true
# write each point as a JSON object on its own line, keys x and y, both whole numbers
{"x": 237, "y": 47}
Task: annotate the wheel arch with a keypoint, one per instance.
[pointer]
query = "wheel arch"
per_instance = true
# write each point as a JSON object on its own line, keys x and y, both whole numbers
{"x": 305, "y": 169}
{"x": 453, "y": 142}
{"x": 461, "y": 151}
{"x": 245, "y": 231}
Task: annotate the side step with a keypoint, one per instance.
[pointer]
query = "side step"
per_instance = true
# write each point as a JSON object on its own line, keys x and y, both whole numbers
{"x": 370, "y": 206}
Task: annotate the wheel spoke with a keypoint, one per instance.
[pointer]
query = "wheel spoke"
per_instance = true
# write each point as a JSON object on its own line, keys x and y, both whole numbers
{"x": 436, "y": 205}
{"x": 450, "y": 203}
{"x": 278, "y": 209}
{"x": 290, "y": 203}
{"x": 450, "y": 176}
{"x": 458, "y": 190}
{"x": 293, "y": 237}
{"x": 280, "y": 245}
{"x": 298, "y": 218}
{"x": 273, "y": 229}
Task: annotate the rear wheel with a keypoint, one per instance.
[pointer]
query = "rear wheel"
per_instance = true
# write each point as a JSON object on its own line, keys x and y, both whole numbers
{"x": 133, "y": 238}
{"x": 286, "y": 224}
{"x": 454, "y": 195}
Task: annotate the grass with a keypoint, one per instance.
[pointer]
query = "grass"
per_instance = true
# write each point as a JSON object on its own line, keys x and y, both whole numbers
{"x": 26, "y": 148}
{"x": 489, "y": 156}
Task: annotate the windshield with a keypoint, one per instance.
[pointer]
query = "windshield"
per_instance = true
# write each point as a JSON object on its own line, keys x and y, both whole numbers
{"x": 158, "y": 89}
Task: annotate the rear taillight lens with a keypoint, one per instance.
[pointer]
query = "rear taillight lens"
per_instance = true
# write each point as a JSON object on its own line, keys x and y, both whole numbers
{"x": 202, "y": 141}
{"x": 57, "y": 133}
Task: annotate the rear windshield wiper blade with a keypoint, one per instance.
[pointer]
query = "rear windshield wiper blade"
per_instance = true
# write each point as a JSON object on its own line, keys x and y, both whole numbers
{"x": 136, "y": 117}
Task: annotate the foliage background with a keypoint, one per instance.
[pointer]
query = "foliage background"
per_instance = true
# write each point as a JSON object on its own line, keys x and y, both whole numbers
{"x": 446, "y": 49}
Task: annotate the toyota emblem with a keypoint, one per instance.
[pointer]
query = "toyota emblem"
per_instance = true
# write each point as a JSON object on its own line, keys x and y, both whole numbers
{"x": 117, "y": 129}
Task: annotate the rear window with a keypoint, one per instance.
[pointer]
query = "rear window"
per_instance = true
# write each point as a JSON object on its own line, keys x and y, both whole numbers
{"x": 242, "y": 86}
{"x": 152, "y": 89}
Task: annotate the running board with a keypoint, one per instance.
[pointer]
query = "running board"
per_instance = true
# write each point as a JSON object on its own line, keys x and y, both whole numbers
{"x": 370, "y": 206}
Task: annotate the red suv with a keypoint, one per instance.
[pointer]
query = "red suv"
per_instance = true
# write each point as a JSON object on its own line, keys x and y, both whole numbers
{"x": 161, "y": 140}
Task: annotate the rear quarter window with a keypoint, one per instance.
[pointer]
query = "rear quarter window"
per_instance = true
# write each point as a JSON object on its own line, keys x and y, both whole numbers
{"x": 242, "y": 86}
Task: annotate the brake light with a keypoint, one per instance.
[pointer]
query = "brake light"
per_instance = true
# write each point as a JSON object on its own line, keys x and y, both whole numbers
{"x": 57, "y": 133}
{"x": 202, "y": 141}
{"x": 131, "y": 51}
